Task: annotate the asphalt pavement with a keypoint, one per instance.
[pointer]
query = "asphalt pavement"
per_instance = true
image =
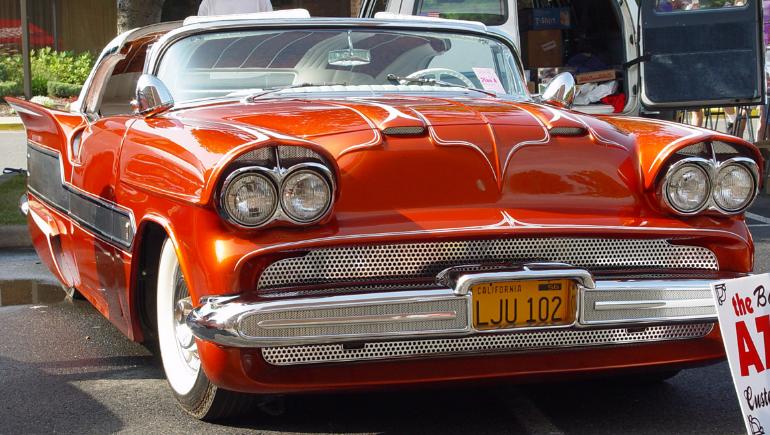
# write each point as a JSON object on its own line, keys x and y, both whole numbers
{"x": 13, "y": 150}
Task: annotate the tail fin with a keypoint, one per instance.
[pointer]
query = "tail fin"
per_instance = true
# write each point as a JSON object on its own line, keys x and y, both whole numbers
{"x": 46, "y": 127}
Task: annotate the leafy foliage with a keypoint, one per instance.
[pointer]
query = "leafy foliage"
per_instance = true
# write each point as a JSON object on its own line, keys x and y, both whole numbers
{"x": 10, "y": 191}
{"x": 63, "y": 90}
{"x": 47, "y": 66}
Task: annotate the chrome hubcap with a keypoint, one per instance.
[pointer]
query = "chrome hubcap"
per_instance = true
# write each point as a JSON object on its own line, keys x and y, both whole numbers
{"x": 184, "y": 337}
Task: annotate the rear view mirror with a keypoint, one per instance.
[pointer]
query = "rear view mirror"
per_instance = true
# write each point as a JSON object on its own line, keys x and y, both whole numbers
{"x": 152, "y": 96}
{"x": 350, "y": 57}
{"x": 560, "y": 91}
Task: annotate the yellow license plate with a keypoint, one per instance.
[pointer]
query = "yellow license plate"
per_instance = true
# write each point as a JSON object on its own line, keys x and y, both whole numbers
{"x": 513, "y": 304}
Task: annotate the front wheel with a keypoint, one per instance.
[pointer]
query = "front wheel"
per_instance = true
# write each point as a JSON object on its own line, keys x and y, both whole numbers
{"x": 179, "y": 352}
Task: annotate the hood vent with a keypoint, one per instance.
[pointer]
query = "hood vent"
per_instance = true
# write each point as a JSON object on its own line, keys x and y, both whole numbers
{"x": 568, "y": 131}
{"x": 404, "y": 131}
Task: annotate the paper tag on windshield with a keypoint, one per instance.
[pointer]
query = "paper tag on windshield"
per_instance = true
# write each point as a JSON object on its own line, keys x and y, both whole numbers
{"x": 743, "y": 307}
{"x": 489, "y": 80}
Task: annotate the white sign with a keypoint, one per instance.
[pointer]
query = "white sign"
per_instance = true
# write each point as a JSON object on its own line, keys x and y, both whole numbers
{"x": 489, "y": 80}
{"x": 743, "y": 307}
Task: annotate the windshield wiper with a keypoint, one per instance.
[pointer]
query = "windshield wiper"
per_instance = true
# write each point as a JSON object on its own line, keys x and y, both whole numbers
{"x": 433, "y": 82}
{"x": 298, "y": 85}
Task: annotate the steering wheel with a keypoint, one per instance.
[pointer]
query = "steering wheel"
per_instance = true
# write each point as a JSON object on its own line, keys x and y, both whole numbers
{"x": 436, "y": 73}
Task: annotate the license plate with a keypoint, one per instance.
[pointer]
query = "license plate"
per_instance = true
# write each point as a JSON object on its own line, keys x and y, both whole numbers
{"x": 514, "y": 304}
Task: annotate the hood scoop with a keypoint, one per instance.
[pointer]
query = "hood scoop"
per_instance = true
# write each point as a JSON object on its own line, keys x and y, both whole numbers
{"x": 568, "y": 131}
{"x": 412, "y": 130}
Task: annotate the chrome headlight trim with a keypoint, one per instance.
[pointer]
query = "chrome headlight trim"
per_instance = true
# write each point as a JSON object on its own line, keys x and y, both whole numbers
{"x": 232, "y": 178}
{"x": 316, "y": 169}
{"x": 752, "y": 168}
{"x": 712, "y": 167}
{"x": 707, "y": 166}
{"x": 277, "y": 174}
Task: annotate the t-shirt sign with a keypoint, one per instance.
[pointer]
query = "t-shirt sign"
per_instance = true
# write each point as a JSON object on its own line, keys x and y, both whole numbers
{"x": 489, "y": 80}
{"x": 743, "y": 307}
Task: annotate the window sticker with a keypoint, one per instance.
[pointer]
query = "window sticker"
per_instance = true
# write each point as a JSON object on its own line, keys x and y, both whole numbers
{"x": 489, "y": 80}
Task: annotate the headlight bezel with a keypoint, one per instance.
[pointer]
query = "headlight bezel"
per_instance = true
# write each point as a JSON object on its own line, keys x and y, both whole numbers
{"x": 712, "y": 168}
{"x": 317, "y": 170}
{"x": 753, "y": 173}
{"x": 277, "y": 172}
{"x": 237, "y": 175}
{"x": 702, "y": 164}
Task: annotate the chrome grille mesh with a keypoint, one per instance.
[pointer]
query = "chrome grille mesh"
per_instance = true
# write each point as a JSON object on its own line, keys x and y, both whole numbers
{"x": 424, "y": 260}
{"x": 294, "y": 355}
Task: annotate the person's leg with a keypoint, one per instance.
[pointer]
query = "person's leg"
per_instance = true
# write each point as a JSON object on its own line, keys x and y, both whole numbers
{"x": 696, "y": 118}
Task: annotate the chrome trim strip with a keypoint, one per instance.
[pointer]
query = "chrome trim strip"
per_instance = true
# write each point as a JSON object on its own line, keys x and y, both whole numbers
{"x": 352, "y": 320}
{"x": 465, "y": 282}
{"x": 648, "y": 305}
{"x": 668, "y": 300}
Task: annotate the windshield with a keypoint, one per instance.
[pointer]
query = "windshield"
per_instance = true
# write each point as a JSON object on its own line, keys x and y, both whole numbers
{"x": 246, "y": 62}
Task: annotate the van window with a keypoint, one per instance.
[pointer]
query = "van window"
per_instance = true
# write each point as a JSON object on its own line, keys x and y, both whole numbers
{"x": 695, "y": 5}
{"x": 489, "y": 12}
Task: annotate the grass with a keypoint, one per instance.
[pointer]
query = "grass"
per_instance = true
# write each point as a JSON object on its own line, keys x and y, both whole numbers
{"x": 10, "y": 191}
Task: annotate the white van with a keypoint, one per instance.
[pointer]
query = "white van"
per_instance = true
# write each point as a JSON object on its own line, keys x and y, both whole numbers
{"x": 667, "y": 54}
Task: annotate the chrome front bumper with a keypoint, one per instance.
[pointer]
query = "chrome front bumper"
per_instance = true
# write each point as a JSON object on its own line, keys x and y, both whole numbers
{"x": 444, "y": 312}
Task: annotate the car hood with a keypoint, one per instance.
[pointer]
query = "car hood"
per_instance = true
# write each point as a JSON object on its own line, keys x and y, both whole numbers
{"x": 474, "y": 152}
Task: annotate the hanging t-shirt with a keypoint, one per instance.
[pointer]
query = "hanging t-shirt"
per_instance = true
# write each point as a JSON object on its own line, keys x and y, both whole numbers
{"x": 228, "y": 7}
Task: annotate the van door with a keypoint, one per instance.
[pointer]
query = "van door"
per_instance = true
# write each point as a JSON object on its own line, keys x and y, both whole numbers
{"x": 701, "y": 53}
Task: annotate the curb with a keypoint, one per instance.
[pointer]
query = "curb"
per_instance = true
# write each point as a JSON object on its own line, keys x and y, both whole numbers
{"x": 14, "y": 236}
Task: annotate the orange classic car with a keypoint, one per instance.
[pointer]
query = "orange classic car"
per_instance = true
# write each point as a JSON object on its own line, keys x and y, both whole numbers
{"x": 292, "y": 204}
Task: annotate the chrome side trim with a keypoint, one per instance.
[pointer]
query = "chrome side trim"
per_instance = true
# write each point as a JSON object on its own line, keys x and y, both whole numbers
{"x": 106, "y": 220}
{"x": 649, "y": 305}
{"x": 647, "y": 302}
{"x": 482, "y": 344}
{"x": 316, "y": 321}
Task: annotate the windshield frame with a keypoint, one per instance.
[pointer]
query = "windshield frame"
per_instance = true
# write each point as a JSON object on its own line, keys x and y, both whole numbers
{"x": 159, "y": 49}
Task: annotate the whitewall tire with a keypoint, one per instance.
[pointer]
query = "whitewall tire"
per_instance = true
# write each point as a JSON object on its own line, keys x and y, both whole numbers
{"x": 179, "y": 352}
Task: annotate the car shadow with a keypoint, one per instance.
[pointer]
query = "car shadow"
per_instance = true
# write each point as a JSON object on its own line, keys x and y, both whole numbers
{"x": 35, "y": 400}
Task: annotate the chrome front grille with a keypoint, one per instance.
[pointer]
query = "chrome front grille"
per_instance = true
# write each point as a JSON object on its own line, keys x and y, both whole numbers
{"x": 294, "y": 355}
{"x": 425, "y": 260}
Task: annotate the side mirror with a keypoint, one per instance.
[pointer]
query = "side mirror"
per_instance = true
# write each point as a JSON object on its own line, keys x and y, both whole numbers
{"x": 560, "y": 91}
{"x": 152, "y": 96}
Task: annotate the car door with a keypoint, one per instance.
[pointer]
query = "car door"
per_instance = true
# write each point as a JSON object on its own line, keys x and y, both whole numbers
{"x": 701, "y": 53}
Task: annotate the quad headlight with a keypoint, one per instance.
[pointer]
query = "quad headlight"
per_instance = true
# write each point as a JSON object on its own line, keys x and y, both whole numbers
{"x": 695, "y": 185}
{"x": 734, "y": 187}
{"x": 688, "y": 188}
{"x": 249, "y": 199}
{"x": 305, "y": 195}
{"x": 258, "y": 195}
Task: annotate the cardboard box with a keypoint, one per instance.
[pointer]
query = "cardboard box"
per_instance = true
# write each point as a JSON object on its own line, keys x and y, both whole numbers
{"x": 596, "y": 76}
{"x": 542, "y": 48}
{"x": 544, "y": 75}
{"x": 545, "y": 18}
